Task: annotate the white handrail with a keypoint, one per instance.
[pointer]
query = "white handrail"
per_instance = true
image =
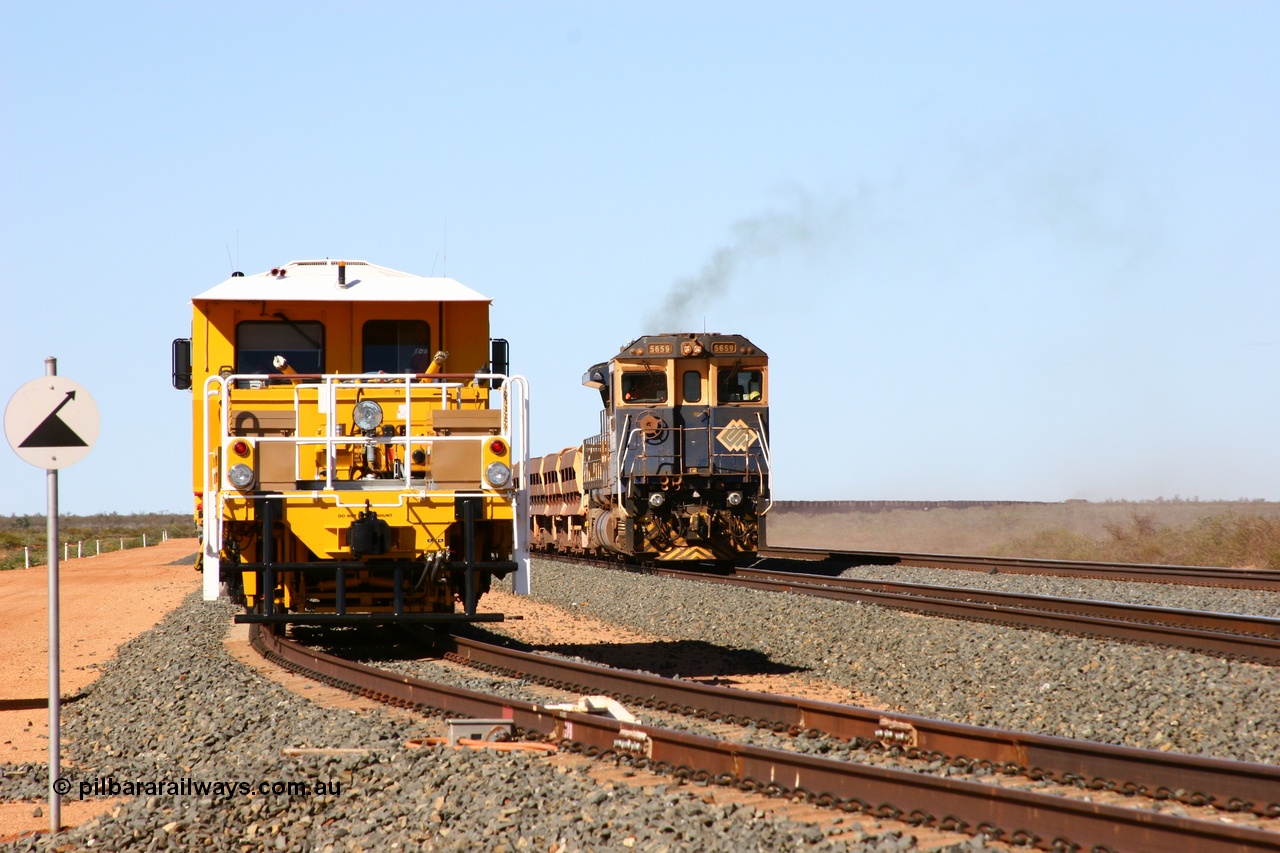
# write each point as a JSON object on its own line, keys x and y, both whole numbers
{"x": 618, "y": 457}
{"x": 766, "y": 475}
{"x": 521, "y": 583}
{"x": 211, "y": 560}
{"x": 515, "y": 399}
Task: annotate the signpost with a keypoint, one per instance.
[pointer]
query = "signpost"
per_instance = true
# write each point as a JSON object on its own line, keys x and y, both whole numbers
{"x": 52, "y": 423}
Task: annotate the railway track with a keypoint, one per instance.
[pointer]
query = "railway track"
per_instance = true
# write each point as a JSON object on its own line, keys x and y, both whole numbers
{"x": 1235, "y": 786}
{"x": 828, "y": 562}
{"x": 1250, "y": 638}
{"x": 1018, "y": 816}
{"x": 1253, "y": 639}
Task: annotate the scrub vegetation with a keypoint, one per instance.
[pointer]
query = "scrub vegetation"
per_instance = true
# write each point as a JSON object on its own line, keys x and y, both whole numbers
{"x": 91, "y": 533}
{"x": 1169, "y": 532}
{"x": 1233, "y": 539}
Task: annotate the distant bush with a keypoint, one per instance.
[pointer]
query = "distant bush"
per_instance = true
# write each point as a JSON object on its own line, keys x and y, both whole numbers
{"x": 1234, "y": 540}
{"x": 1231, "y": 539}
{"x": 1055, "y": 544}
{"x": 31, "y": 531}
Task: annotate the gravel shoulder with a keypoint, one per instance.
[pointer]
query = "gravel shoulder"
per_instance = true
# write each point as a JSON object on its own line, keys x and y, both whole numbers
{"x": 174, "y": 709}
{"x": 103, "y": 602}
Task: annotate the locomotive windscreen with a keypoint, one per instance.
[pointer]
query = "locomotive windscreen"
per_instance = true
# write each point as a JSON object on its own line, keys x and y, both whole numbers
{"x": 396, "y": 346}
{"x": 740, "y": 386}
{"x": 258, "y": 342}
{"x": 647, "y": 387}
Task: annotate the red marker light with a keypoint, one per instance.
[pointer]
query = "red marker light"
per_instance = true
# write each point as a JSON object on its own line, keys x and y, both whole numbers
{"x": 240, "y": 448}
{"x": 498, "y": 446}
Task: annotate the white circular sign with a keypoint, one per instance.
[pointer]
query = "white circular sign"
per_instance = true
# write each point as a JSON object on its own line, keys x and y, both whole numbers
{"x": 51, "y": 422}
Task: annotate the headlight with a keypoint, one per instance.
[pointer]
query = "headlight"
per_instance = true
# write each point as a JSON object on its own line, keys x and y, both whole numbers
{"x": 734, "y": 498}
{"x": 240, "y": 475}
{"x": 367, "y": 414}
{"x": 498, "y": 474}
{"x": 657, "y": 499}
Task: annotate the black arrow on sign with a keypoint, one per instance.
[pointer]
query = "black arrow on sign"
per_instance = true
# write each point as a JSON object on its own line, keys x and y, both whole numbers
{"x": 53, "y": 432}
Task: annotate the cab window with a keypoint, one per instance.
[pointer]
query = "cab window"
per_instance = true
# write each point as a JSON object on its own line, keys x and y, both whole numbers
{"x": 740, "y": 386}
{"x": 647, "y": 387}
{"x": 396, "y": 346}
{"x": 692, "y": 386}
{"x": 259, "y": 343}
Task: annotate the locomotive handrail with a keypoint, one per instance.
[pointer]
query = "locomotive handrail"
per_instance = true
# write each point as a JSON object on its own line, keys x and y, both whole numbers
{"x": 680, "y": 430}
{"x": 631, "y": 471}
{"x": 359, "y": 381}
{"x": 766, "y": 475}
{"x": 618, "y": 458}
{"x": 211, "y": 560}
{"x": 522, "y": 581}
{"x": 514, "y": 398}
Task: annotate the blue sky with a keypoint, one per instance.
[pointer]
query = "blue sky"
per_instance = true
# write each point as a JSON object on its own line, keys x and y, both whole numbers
{"x": 994, "y": 250}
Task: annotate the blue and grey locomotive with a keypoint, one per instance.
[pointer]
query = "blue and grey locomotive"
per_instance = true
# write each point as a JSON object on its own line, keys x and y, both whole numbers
{"x": 680, "y": 468}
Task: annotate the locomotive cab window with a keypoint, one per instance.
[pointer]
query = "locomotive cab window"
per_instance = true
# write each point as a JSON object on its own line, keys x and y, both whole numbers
{"x": 396, "y": 346}
{"x": 259, "y": 343}
{"x": 647, "y": 387}
{"x": 736, "y": 385}
{"x": 692, "y": 386}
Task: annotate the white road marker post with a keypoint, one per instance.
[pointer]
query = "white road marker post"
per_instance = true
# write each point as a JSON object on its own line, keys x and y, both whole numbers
{"x": 52, "y": 423}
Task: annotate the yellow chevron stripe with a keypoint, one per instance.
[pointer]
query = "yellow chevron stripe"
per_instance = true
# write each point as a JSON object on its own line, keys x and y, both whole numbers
{"x": 687, "y": 552}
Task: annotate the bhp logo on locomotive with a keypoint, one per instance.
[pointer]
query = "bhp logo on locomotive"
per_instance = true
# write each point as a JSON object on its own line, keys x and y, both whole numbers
{"x": 737, "y": 436}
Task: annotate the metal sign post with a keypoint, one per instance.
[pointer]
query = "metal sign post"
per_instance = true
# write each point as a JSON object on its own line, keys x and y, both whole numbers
{"x": 55, "y": 645}
{"x": 51, "y": 423}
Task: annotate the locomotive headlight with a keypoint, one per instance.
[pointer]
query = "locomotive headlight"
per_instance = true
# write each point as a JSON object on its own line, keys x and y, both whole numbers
{"x": 734, "y": 498}
{"x": 657, "y": 499}
{"x": 498, "y": 474}
{"x": 240, "y": 475}
{"x": 367, "y": 414}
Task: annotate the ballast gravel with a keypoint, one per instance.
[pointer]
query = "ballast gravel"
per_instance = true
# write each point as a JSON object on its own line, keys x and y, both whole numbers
{"x": 174, "y": 711}
{"x": 1175, "y": 596}
{"x": 972, "y": 672}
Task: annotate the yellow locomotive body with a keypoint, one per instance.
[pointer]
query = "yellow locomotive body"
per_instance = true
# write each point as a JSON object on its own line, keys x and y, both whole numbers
{"x": 348, "y": 465}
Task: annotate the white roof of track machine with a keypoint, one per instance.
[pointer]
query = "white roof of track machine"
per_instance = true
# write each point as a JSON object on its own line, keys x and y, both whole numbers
{"x": 340, "y": 281}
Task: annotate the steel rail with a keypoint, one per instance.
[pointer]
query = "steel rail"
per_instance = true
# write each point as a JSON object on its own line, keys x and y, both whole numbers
{"x": 1253, "y": 638}
{"x": 1207, "y": 620}
{"x": 1231, "y": 785}
{"x": 1024, "y": 817}
{"x": 1264, "y": 579}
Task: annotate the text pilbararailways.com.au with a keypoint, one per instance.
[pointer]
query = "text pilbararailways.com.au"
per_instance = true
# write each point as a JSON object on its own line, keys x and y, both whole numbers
{"x": 110, "y": 786}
